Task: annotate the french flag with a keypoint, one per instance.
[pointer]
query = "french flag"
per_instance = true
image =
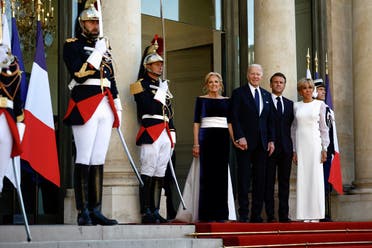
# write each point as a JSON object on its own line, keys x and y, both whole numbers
{"x": 335, "y": 174}
{"x": 39, "y": 142}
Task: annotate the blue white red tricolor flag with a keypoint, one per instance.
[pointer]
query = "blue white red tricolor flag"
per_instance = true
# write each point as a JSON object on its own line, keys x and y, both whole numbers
{"x": 335, "y": 175}
{"x": 39, "y": 142}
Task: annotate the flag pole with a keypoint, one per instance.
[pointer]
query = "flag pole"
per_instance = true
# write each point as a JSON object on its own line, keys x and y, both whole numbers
{"x": 19, "y": 193}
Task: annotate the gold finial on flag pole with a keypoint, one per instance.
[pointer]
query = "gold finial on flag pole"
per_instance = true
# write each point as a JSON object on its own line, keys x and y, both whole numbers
{"x": 39, "y": 9}
{"x": 13, "y": 8}
{"x": 316, "y": 62}
{"x": 3, "y": 7}
{"x": 308, "y": 59}
{"x": 326, "y": 64}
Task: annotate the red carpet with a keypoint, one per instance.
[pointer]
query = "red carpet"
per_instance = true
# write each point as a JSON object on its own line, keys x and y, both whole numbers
{"x": 294, "y": 234}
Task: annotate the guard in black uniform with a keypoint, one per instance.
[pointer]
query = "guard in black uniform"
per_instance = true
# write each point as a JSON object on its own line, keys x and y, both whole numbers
{"x": 11, "y": 111}
{"x": 156, "y": 135}
{"x": 330, "y": 120}
{"x": 94, "y": 109}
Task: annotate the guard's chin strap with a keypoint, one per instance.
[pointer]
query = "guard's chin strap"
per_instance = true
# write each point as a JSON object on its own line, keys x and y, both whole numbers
{"x": 154, "y": 73}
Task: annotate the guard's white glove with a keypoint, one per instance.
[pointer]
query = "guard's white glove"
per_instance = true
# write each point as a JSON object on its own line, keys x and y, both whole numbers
{"x": 118, "y": 112}
{"x": 101, "y": 46}
{"x": 161, "y": 93}
{"x": 173, "y": 136}
{"x": 21, "y": 129}
{"x": 119, "y": 108}
{"x": 163, "y": 85}
{"x": 315, "y": 94}
{"x": 99, "y": 50}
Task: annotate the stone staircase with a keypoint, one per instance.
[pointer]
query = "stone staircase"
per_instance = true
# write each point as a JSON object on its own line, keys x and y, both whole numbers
{"x": 133, "y": 236}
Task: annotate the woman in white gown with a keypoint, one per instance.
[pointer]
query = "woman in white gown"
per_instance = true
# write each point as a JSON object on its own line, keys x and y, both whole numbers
{"x": 310, "y": 141}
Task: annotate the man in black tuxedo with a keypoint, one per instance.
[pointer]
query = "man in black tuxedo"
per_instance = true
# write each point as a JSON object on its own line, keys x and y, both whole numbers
{"x": 281, "y": 159}
{"x": 251, "y": 109}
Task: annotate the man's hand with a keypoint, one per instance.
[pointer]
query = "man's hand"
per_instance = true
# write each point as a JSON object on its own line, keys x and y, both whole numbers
{"x": 270, "y": 147}
{"x": 294, "y": 158}
{"x": 241, "y": 144}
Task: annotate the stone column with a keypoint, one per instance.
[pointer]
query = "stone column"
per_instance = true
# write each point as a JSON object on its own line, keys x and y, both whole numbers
{"x": 275, "y": 41}
{"x": 122, "y": 24}
{"x": 362, "y": 64}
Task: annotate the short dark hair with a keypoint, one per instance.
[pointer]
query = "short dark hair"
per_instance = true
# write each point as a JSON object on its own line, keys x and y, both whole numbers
{"x": 278, "y": 74}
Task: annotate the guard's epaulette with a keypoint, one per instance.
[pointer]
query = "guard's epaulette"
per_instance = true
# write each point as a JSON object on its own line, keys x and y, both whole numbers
{"x": 68, "y": 40}
{"x": 136, "y": 87}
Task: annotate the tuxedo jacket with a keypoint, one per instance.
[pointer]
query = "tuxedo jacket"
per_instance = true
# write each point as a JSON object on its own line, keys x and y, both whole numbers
{"x": 258, "y": 129}
{"x": 283, "y": 123}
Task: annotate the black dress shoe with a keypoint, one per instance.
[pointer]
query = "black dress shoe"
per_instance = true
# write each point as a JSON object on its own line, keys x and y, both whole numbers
{"x": 99, "y": 219}
{"x": 285, "y": 220}
{"x": 256, "y": 220}
{"x": 326, "y": 219}
{"x": 243, "y": 219}
{"x": 271, "y": 220}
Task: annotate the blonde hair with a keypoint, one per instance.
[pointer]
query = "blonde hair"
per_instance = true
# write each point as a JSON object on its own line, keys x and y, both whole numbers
{"x": 302, "y": 82}
{"x": 206, "y": 79}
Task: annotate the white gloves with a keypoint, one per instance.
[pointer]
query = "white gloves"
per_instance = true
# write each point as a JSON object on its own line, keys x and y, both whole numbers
{"x": 173, "y": 135}
{"x": 163, "y": 85}
{"x": 21, "y": 129}
{"x": 118, "y": 112}
{"x": 315, "y": 94}
{"x": 161, "y": 93}
{"x": 101, "y": 46}
{"x": 119, "y": 108}
{"x": 99, "y": 50}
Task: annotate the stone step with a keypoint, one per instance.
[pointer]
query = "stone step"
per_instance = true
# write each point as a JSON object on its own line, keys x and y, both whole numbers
{"x": 69, "y": 236}
{"x": 129, "y": 243}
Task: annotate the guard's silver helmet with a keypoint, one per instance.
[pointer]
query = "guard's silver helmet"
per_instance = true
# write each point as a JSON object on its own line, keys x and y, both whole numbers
{"x": 152, "y": 58}
{"x": 89, "y": 14}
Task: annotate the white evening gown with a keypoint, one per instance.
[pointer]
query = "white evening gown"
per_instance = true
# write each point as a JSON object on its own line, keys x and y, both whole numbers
{"x": 309, "y": 134}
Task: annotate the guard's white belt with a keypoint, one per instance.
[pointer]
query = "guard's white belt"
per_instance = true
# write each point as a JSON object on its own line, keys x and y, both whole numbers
{"x": 6, "y": 103}
{"x": 220, "y": 122}
{"x": 158, "y": 117}
{"x": 97, "y": 81}
{"x": 91, "y": 81}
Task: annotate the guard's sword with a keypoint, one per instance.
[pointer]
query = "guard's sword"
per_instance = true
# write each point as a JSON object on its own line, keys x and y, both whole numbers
{"x": 164, "y": 77}
{"x": 175, "y": 182}
{"x": 132, "y": 164}
{"x": 100, "y": 20}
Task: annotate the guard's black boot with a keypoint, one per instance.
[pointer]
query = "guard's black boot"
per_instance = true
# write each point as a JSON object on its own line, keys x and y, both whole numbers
{"x": 145, "y": 194}
{"x": 95, "y": 197}
{"x": 81, "y": 181}
{"x": 158, "y": 183}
